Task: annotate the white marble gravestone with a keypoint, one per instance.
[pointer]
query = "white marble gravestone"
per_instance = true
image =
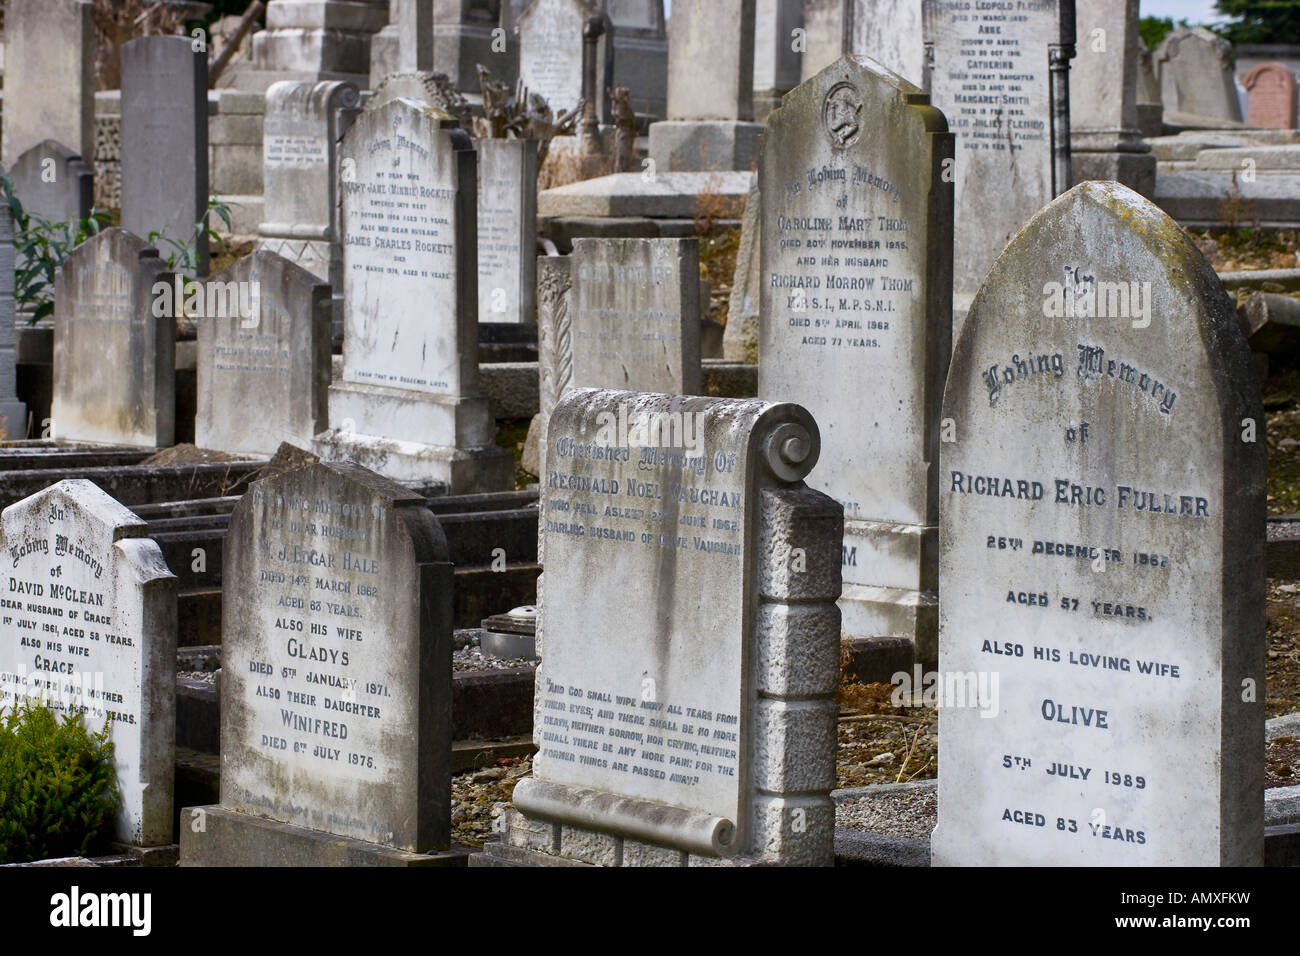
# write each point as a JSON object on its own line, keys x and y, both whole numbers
{"x": 88, "y": 625}
{"x": 856, "y": 305}
{"x": 990, "y": 78}
{"x": 1101, "y": 639}
{"x": 409, "y": 404}
{"x": 336, "y": 679}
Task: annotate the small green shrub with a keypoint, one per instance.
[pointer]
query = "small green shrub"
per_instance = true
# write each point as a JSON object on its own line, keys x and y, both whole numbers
{"x": 58, "y": 788}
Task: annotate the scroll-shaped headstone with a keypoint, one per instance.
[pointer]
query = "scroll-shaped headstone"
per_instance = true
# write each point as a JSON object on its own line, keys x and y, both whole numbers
{"x": 1195, "y": 69}
{"x": 263, "y": 357}
{"x": 688, "y": 634}
{"x": 1101, "y": 630}
{"x": 336, "y": 684}
{"x": 114, "y": 344}
{"x": 856, "y": 288}
{"x": 507, "y": 230}
{"x": 1003, "y": 169}
{"x": 88, "y": 625}
{"x": 636, "y": 314}
{"x": 53, "y": 183}
{"x": 409, "y": 403}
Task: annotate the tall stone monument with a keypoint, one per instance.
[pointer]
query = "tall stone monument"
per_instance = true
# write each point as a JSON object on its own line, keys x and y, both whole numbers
{"x": 855, "y": 280}
{"x": 1101, "y": 635}
{"x": 710, "y": 89}
{"x": 640, "y": 41}
{"x": 90, "y": 627}
{"x": 165, "y": 142}
{"x": 469, "y": 32}
{"x": 49, "y": 74}
{"x": 993, "y": 77}
{"x": 887, "y": 31}
{"x": 336, "y": 685}
{"x": 658, "y": 748}
{"x": 1105, "y": 134}
{"x": 408, "y": 404}
{"x": 550, "y": 53}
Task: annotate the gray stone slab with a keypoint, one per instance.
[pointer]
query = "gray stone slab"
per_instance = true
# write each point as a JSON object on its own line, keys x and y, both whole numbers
{"x": 855, "y": 286}
{"x": 1195, "y": 70}
{"x": 336, "y": 687}
{"x": 1111, "y": 581}
{"x": 13, "y": 413}
{"x": 165, "y": 101}
{"x": 1212, "y": 198}
{"x": 711, "y": 60}
{"x": 1251, "y": 159}
{"x": 114, "y": 371}
{"x": 273, "y": 351}
{"x": 665, "y": 195}
{"x": 230, "y": 839}
{"x": 550, "y": 53}
{"x": 95, "y": 633}
{"x": 889, "y": 32}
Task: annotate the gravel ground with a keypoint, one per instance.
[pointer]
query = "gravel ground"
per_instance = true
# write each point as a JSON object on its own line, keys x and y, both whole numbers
{"x": 906, "y": 812}
{"x": 473, "y": 659}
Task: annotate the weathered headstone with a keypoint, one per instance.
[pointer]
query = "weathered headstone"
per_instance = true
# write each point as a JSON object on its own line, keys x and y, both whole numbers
{"x": 1272, "y": 91}
{"x": 89, "y": 626}
{"x": 550, "y": 53}
{"x": 1105, "y": 134}
{"x": 409, "y": 403}
{"x": 13, "y": 413}
{"x": 49, "y": 70}
{"x": 1004, "y": 161}
{"x": 53, "y": 183}
{"x": 657, "y": 747}
{"x": 336, "y": 684}
{"x": 507, "y": 230}
{"x": 740, "y": 337}
{"x": 710, "y": 88}
{"x": 114, "y": 345}
{"x": 1101, "y": 554}
{"x": 855, "y": 288}
{"x": 1195, "y": 69}
{"x": 165, "y": 141}
{"x": 554, "y": 351}
{"x": 263, "y": 357}
{"x": 636, "y": 314}
{"x": 304, "y": 123}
